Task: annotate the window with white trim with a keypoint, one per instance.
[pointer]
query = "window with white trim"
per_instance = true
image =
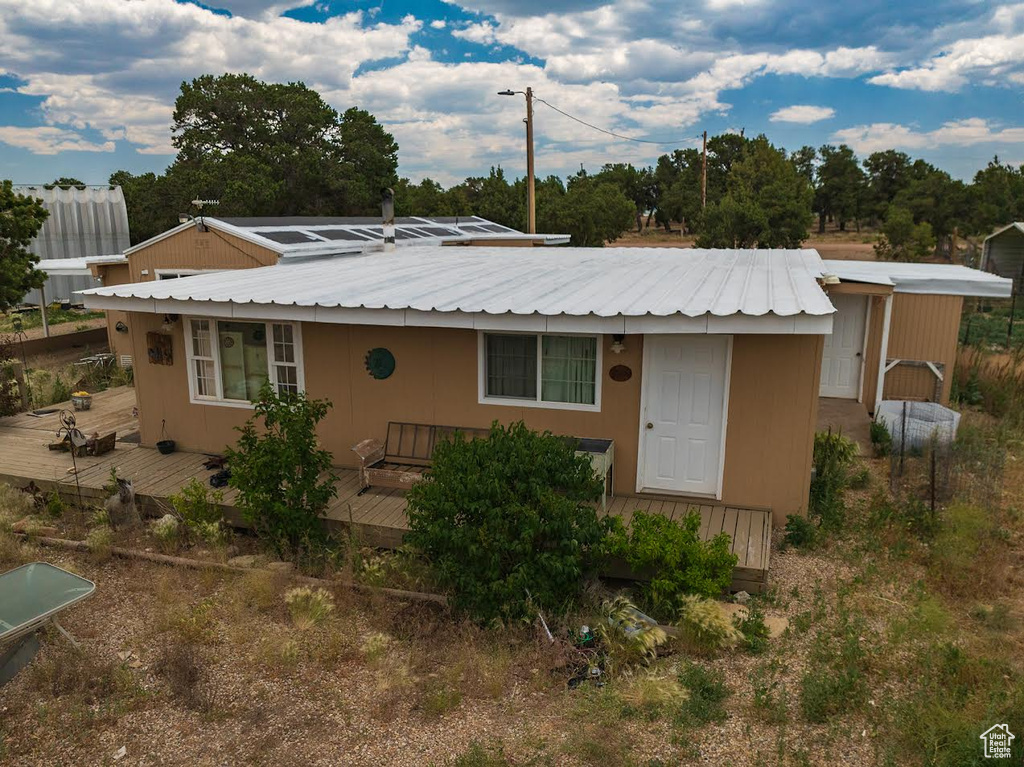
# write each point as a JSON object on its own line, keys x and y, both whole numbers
{"x": 229, "y": 360}
{"x": 541, "y": 370}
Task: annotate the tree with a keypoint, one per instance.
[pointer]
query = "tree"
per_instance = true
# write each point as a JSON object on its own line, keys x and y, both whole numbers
{"x": 65, "y": 182}
{"x": 21, "y": 218}
{"x": 767, "y": 203}
{"x": 902, "y": 239}
{"x": 589, "y": 209}
{"x": 888, "y": 174}
{"x": 264, "y": 149}
{"x": 499, "y": 517}
{"x": 996, "y": 197}
{"x": 494, "y": 198}
{"x": 840, "y": 191}
{"x": 677, "y": 177}
{"x": 639, "y": 185}
{"x": 804, "y": 160}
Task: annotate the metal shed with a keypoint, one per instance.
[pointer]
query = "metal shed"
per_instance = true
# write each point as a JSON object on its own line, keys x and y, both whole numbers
{"x": 83, "y": 221}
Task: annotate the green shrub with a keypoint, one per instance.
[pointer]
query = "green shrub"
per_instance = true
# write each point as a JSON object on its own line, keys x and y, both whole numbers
{"x": 55, "y": 506}
{"x": 801, "y": 533}
{"x": 704, "y": 626}
{"x": 167, "y": 531}
{"x": 675, "y": 559}
{"x": 770, "y": 697}
{"x": 100, "y": 540}
{"x": 199, "y": 510}
{"x": 881, "y": 439}
{"x": 479, "y": 756}
{"x": 284, "y": 479}
{"x": 834, "y": 455}
{"x": 707, "y": 693}
{"x": 753, "y": 628}
{"x": 499, "y": 517}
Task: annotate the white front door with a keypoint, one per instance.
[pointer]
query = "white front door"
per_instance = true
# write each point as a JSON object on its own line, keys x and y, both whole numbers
{"x": 683, "y": 413}
{"x": 844, "y": 349}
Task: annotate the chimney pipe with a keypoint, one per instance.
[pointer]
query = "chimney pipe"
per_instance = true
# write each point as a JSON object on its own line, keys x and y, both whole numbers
{"x": 388, "y": 210}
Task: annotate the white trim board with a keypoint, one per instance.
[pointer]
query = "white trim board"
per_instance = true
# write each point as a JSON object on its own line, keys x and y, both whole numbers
{"x": 797, "y": 324}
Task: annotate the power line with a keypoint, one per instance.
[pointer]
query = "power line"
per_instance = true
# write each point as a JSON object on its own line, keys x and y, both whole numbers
{"x": 612, "y": 133}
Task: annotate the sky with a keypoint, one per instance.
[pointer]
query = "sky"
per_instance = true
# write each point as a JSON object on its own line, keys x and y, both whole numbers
{"x": 87, "y": 87}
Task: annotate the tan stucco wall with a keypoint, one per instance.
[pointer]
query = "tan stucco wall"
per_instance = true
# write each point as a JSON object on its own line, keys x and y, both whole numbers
{"x": 772, "y": 404}
{"x": 192, "y": 249}
{"x": 120, "y": 343}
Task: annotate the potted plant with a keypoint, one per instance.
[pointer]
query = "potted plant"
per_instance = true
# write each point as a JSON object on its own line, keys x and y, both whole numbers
{"x": 81, "y": 400}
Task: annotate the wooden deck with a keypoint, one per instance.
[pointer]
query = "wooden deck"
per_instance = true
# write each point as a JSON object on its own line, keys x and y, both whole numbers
{"x": 377, "y": 517}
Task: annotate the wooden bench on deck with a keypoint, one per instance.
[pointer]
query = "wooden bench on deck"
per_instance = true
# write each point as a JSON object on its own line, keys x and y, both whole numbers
{"x": 400, "y": 460}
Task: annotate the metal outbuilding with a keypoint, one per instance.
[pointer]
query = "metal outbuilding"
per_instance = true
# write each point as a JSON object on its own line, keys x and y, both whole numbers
{"x": 84, "y": 221}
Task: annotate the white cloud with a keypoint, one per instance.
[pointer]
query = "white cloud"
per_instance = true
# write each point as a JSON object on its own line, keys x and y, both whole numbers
{"x": 865, "y": 139}
{"x": 438, "y": 24}
{"x": 47, "y": 140}
{"x": 805, "y": 114}
{"x": 259, "y": 8}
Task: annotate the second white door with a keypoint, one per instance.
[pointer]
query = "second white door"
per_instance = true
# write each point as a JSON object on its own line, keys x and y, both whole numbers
{"x": 843, "y": 354}
{"x": 683, "y": 413}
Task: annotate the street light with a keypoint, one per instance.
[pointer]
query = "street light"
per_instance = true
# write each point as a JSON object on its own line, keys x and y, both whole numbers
{"x": 531, "y": 210}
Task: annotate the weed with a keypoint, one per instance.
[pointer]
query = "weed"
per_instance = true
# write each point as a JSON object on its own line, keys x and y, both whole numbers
{"x": 167, "y": 532}
{"x": 375, "y": 646}
{"x": 14, "y": 504}
{"x": 651, "y": 695}
{"x": 770, "y": 696}
{"x": 260, "y": 590}
{"x": 834, "y": 455}
{"x": 753, "y": 628}
{"x": 199, "y": 510}
{"x": 100, "y": 541}
{"x": 704, "y": 626}
{"x": 707, "y": 692}
{"x": 881, "y": 439}
{"x": 835, "y": 681}
{"x": 194, "y": 625}
{"x": 969, "y": 557}
{"x": 801, "y": 533}
{"x": 66, "y": 672}
{"x": 55, "y": 506}
{"x": 479, "y": 756}
{"x": 180, "y": 664}
{"x": 308, "y": 607}
{"x": 439, "y": 700}
{"x": 995, "y": 617}
{"x": 627, "y": 640}
{"x": 860, "y": 479}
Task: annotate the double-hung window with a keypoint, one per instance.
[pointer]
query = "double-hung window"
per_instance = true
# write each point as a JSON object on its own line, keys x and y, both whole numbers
{"x": 540, "y": 370}
{"x": 228, "y": 360}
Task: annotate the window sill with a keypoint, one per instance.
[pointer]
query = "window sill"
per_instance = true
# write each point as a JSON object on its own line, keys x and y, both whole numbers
{"x": 512, "y": 402}
{"x": 221, "y": 402}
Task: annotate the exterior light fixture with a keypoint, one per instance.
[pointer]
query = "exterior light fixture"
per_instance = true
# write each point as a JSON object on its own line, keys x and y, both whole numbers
{"x": 168, "y": 324}
{"x": 120, "y": 327}
{"x": 618, "y": 347}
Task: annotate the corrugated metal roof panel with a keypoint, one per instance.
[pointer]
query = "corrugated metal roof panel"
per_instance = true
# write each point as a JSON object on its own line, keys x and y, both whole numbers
{"x": 934, "y": 279}
{"x": 605, "y": 282}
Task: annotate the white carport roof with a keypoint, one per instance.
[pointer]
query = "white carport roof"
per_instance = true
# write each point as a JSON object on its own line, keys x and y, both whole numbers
{"x": 609, "y": 290}
{"x": 935, "y": 279}
{"x": 76, "y": 267}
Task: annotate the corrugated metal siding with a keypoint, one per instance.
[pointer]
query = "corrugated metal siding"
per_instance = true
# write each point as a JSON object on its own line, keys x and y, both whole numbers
{"x": 1005, "y": 254}
{"x": 922, "y": 328}
{"x": 82, "y": 222}
{"x": 192, "y": 249}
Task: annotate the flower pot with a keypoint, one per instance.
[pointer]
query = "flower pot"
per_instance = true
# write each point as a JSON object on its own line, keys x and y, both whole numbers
{"x": 165, "y": 446}
{"x": 81, "y": 401}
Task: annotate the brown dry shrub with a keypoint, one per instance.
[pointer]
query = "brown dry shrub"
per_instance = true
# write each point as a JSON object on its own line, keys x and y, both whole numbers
{"x": 181, "y": 665}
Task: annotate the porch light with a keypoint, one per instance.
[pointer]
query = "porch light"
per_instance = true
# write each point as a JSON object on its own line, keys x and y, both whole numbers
{"x": 120, "y": 327}
{"x": 618, "y": 347}
{"x": 168, "y": 324}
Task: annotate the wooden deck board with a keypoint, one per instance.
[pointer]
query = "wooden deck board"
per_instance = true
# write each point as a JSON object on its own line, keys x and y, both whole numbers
{"x": 378, "y": 515}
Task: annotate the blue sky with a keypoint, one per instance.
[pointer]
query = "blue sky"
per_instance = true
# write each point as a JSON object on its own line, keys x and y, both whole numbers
{"x": 87, "y": 87}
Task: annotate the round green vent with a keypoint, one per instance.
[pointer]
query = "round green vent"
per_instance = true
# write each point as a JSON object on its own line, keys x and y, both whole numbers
{"x": 380, "y": 363}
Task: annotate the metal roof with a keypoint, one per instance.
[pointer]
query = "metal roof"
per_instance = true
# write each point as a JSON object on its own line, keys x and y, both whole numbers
{"x": 306, "y": 236}
{"x": 76, "y": 267}
{"x": 516, "y": 282}
{"x": 83, "y": 221}
{"x": 1003, "y": 253}
{"x": 932, "y": 279}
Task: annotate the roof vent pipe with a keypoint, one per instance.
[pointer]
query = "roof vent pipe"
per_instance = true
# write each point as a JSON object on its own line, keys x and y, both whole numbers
{"x": 388, "y": 210}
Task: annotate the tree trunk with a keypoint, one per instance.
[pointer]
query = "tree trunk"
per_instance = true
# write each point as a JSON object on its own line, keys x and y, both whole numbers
{"x": 821, "y": 223}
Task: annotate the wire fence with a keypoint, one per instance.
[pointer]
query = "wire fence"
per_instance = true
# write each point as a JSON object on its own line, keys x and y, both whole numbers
{"x": 929, "y": 463}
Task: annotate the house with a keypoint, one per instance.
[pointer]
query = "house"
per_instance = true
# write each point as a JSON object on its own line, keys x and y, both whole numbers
{"x": 896, "y": 328}
{"x": 702, "y": 366}
{"x": 210, "y": 244}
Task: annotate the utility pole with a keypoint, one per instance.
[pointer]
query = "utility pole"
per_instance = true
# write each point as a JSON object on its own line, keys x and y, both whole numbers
{"x": 531, "y": 200}
{"x": 531, "y": 207}
{"x": 704, "y": 173}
